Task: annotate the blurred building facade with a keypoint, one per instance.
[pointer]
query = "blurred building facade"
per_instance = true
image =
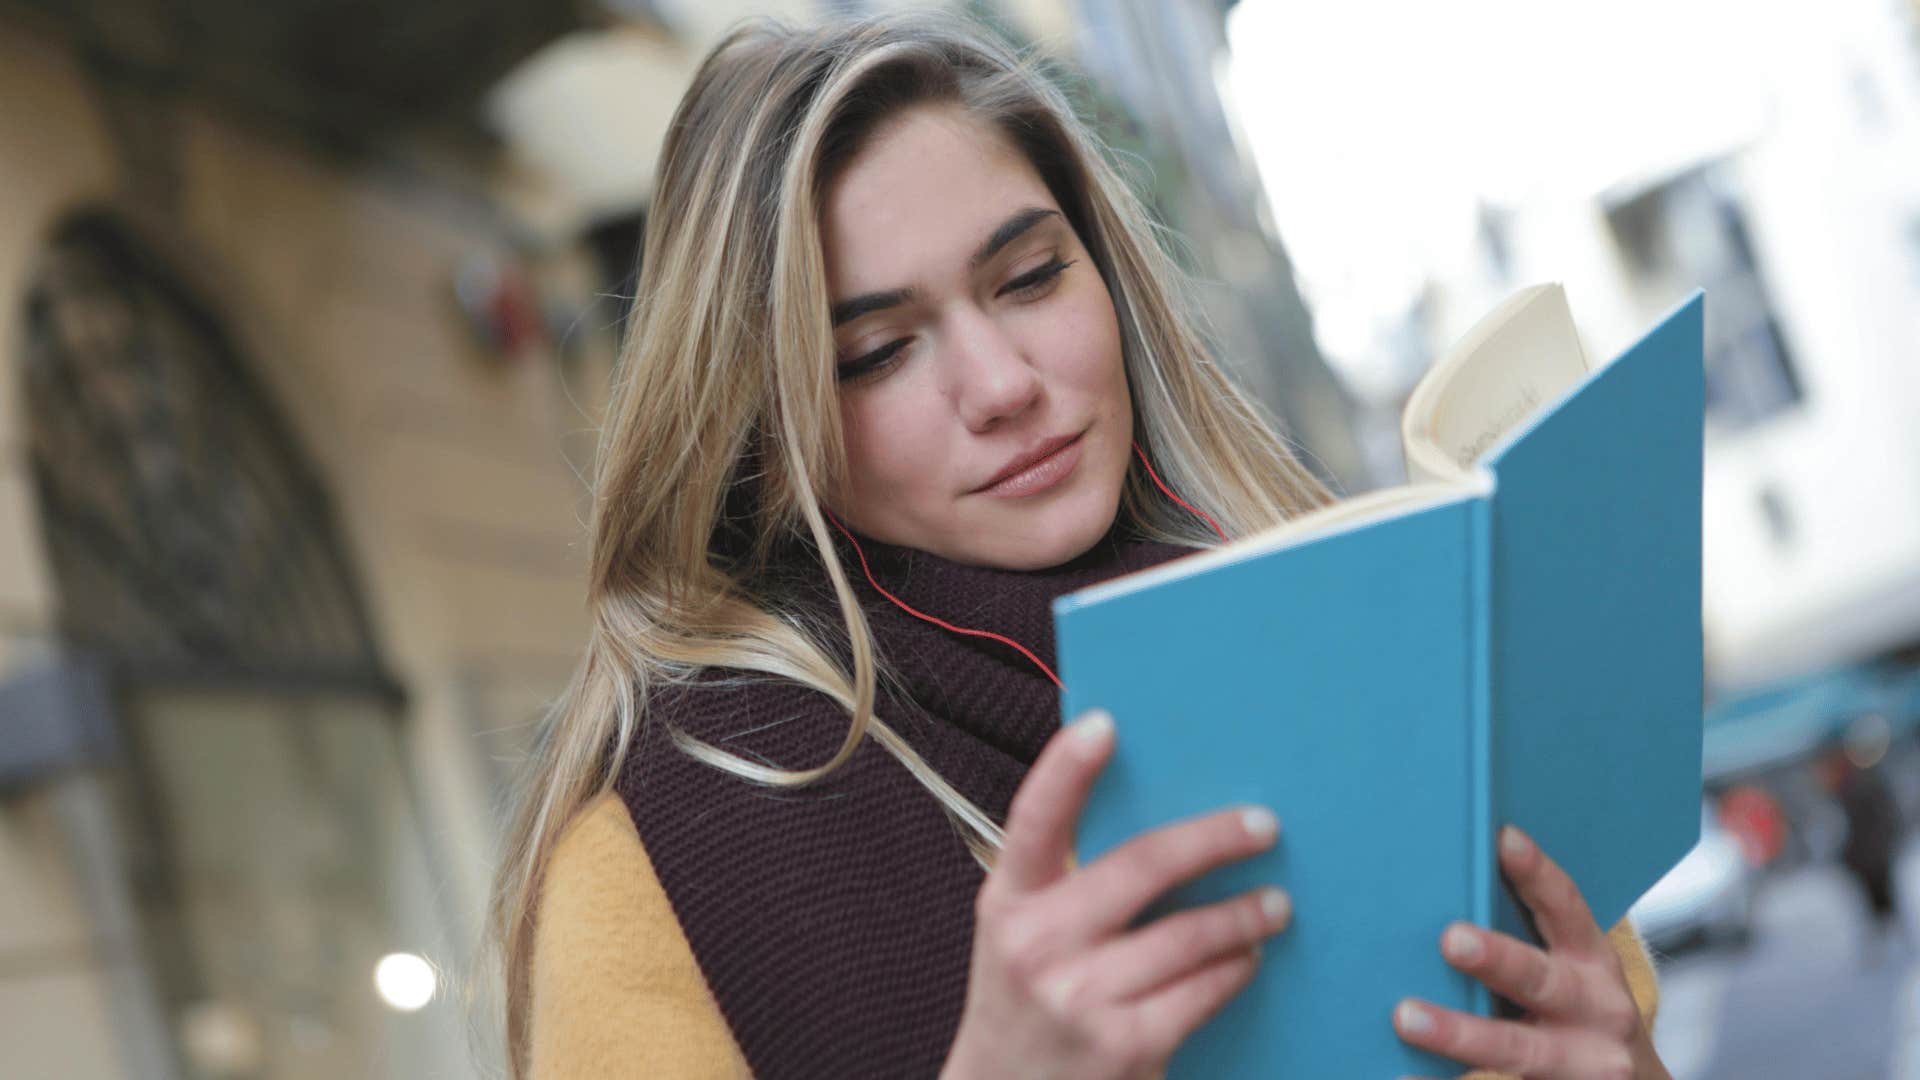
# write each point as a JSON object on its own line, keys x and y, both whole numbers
{"x": 1798, "y": 220}
{"x": 287, "y": 541}
{"x": 1769, "y": 155}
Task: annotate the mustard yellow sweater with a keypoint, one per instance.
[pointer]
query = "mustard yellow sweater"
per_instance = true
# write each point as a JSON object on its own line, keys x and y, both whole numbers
{"x": 616, "y": 990}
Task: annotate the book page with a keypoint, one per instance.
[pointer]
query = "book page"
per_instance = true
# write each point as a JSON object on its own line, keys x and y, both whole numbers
{"x": 1518, "y": 359}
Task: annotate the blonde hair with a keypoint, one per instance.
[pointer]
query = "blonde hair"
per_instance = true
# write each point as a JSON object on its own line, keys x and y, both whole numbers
{"x": 722, "y": 427}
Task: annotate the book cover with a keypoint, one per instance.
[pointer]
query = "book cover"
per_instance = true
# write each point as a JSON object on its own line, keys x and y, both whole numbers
{"x": 1513, "y": 639}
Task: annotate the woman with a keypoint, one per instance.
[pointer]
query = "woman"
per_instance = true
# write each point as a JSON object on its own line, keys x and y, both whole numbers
{"x": 906, "y": 363}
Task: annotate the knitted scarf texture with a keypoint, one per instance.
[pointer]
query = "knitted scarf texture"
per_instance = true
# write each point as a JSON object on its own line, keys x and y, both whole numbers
{"x": 834, "y": 922}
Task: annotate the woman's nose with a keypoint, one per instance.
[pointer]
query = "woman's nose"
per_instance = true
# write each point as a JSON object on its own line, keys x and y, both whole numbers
{"x": 992, "y": 379}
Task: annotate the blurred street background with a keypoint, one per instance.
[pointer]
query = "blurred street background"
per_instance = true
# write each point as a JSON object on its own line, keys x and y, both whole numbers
{"x": 307, "y": 311}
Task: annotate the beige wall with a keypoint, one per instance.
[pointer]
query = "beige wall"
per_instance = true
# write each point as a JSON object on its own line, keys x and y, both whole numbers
{"x": 55, "y": 1017}
{"x": 458, "y": 508}
{"x": 53, "y": 157}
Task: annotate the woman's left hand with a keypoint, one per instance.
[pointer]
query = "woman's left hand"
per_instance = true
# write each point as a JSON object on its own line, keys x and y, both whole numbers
{"x": 1581, "y": 1021}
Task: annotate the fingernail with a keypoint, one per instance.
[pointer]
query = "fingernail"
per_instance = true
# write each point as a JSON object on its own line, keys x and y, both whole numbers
{"x": 1093, "y": 728}
{"x": 1259, "y": 823}
{"x": 1274, "y": 904}
{"x": 1513, "y": 843}
{"x": 1461, "y": 944}
{"x": 1414, "y": 1020}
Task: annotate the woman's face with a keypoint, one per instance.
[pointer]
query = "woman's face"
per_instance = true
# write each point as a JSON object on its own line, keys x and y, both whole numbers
{"x": 972, "y": 333}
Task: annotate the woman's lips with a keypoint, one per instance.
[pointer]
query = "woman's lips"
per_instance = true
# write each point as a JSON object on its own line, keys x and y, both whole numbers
{"x": 1040, "y": 475}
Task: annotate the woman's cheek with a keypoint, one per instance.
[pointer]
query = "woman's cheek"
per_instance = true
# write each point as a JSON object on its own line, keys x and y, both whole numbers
{"x": 1087, "y": 338}
{"x": 885, "y": 455}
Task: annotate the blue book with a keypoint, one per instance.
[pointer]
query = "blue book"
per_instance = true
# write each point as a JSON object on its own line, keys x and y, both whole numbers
{"x": 1513, "y": 636}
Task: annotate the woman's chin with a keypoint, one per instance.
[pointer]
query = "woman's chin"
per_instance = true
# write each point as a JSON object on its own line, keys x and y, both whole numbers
{"x": 1041, "y": 536}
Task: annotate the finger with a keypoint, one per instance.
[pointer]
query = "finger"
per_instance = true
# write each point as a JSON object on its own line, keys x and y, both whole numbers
{"x": 1534, "y": 1051}
{"x": 1169, "y": 948}
{"x": 1501, "y": 1045}
{"x": 1559, "y": 911}
{"x": 1162, "y": 1020}
{"x": 1114, "y": 888}
{"x": 1527, "y": 976}
{"x": 1041, "y": 820}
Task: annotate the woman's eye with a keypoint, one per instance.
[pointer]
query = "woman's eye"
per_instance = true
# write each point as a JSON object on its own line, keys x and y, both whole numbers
{"x": 1029, "y": 285}
{"x": 873, "y": 362}
{"x": 1034, "y": 281}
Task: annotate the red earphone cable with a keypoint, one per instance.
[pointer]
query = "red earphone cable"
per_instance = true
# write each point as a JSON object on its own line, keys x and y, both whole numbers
{"x": 902, "y": 605}
{"x": 1204, "y": 516}
{"x": 1001, "y": 638}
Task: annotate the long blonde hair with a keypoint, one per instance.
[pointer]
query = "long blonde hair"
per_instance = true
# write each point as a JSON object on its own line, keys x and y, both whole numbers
{"x": 722, "y": 426}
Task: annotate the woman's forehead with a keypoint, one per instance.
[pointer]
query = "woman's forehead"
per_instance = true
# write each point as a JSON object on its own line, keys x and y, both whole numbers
{"x": 920, "y": 197}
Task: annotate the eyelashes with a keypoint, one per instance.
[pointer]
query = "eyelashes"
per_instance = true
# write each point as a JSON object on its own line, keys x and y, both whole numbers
{"x": 1036, "y": 277}
{"x": 871, "y": 362}
{"x": 1028, "y": 286}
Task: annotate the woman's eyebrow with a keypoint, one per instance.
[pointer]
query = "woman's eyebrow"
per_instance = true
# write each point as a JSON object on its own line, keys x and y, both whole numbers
{"x": 1005, "y": 233}
{"x": 1009, "y": 231}
{"x": 853, "y": 307}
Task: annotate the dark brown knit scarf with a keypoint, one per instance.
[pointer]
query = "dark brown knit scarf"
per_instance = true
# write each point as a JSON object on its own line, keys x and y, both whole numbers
{"x": 833, "y": 923}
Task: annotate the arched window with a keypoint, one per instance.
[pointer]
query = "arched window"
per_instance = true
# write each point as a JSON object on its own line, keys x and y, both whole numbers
{"x": 264, "y": 814}
{"x": 188, "y": 536}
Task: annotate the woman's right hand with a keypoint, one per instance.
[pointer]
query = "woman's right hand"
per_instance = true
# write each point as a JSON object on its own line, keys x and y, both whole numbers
{"x": 1060, "y": 987}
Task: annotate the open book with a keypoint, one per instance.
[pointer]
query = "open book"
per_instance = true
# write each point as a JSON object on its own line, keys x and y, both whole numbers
{"x": 1512, "y": 636}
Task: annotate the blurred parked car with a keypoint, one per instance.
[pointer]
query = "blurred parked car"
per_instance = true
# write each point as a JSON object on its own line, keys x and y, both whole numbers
{"x": 1809, "y": 769}
{"x": 1820, "y": 768}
